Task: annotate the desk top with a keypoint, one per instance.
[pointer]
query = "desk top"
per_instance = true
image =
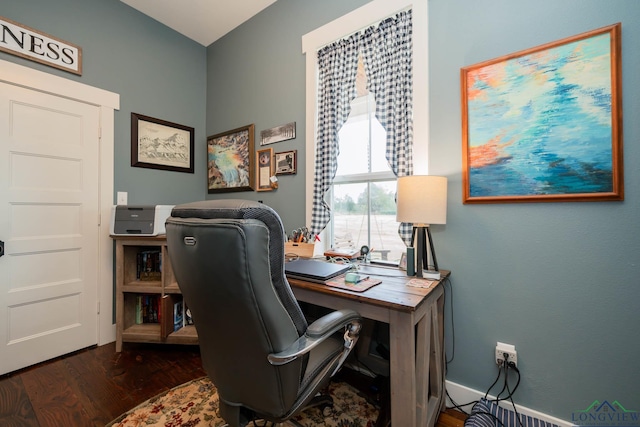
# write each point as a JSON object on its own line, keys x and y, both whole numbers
{"x": 393, "y": 292}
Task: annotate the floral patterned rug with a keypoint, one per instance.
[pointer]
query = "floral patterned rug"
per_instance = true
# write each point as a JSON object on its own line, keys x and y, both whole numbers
{"x": 196, "y": 404}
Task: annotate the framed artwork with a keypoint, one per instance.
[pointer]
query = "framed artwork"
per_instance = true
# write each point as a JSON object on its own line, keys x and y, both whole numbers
{"x": 278, "y": 133}
{"x": 158, "y": 144}
{"x": 230, "y": 160}
{"x": 264, "y": 161}
{"x": 286, "y": 162}
{"x": 402, "y": 265}
{"x": 545, "y": 124}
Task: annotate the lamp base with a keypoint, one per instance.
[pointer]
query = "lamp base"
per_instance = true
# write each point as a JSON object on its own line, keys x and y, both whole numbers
{"x": 431, "y": 274}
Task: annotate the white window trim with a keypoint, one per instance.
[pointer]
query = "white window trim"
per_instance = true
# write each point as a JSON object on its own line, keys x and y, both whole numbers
{"x": 361, "y": 18}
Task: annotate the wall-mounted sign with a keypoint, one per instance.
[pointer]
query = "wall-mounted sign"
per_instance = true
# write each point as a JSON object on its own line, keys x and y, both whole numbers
{"x": 20, "y": 40}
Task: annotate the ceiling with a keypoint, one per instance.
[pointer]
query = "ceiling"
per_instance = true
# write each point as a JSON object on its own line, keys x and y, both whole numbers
{"x": 204, "y": 21}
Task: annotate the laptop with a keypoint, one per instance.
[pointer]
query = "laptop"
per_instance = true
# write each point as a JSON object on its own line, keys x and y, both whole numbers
{"x": 314, "y": 271}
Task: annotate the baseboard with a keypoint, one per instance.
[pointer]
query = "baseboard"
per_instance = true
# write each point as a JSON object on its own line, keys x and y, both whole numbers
{"x": 462, "y": 394}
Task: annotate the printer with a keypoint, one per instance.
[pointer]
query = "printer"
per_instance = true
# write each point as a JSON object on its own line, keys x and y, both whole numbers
{"x": 130, "y": 220}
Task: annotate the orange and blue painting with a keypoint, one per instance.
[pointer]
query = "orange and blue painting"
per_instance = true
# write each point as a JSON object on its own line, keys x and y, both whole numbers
{"x": 540, "y": 124}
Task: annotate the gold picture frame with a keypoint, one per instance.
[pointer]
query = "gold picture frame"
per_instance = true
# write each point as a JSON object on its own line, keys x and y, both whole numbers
{"x": 545, "y": 124}
{"x": 265, "y": 169}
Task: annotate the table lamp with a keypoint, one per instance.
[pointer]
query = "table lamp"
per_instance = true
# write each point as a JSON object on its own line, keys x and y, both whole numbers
{"x": 422, "y": 200}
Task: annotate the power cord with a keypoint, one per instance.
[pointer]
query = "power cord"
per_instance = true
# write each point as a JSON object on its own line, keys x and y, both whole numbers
{"x": 503, "y": 368}
{"x": 447, "y": 281}
{"x": 512, "y": 365}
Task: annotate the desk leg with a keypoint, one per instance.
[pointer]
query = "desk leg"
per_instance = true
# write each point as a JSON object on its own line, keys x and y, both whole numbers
{"x": 417, "y": 364}
{"x": 402, "y": 369}
{"x": 431, "y": 330}
{"x": 423, "y": 353}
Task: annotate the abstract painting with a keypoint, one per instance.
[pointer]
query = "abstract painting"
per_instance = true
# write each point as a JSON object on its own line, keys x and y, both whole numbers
{"x": 229, "y": 160}
{"x": 545, "y": 124}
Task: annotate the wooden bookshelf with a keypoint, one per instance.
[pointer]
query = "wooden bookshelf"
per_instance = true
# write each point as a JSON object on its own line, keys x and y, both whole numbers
{"x": 164, "y": 289}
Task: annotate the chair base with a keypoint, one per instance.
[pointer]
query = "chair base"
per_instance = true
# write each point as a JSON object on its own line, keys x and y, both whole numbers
{"x": 237, "y": 416}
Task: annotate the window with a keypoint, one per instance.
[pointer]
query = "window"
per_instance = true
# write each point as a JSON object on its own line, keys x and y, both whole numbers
{"x": 364, "y": 183}
{"x": 362, "y": 197}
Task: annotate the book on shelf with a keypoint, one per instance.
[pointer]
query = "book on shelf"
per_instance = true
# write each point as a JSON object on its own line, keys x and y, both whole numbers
{"x": 139, "y": 309}
{"x": 147, "y": 309}
{"x": 178, "y": 315}
{"x": 149, "y": 265}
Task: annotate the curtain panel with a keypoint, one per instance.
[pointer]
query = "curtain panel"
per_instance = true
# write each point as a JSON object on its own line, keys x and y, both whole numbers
{"x": 386, "y": 50}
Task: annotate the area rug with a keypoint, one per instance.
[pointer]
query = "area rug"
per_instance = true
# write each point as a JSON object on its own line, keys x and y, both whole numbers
{"x": 196, "y": 404}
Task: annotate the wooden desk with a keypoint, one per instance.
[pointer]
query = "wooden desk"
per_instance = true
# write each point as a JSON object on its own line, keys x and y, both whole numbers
{"x": 416, "y": 333}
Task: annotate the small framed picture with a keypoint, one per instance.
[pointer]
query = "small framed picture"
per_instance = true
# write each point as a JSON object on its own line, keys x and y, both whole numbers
{"x": 286, "y": 162}
{"x": 264, "y": 161}
{"x": 403, "y": 262}
{"x": 278, "y": 133}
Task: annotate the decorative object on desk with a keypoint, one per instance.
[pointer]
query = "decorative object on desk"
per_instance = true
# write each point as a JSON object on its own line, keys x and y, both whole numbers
{"x": 264, "y": 162}
{"x": 230, "y": 160}
{"x": 402, "y": 265}
{"x": 303, "y": 250}
{"x": 411, "y": 261}
{"x": 545, "y": 124}
{"x": 422, "y": 200}
{"x": 364, "y": 253}
{"x": 421, "y": 283}
{"x": 286, "y": 162}
{"x": 348, "y": 253}
{"x": 278, "y": 133}
{"x": 158, "y": 144}
{"x": 361, "y": 286}
{"x": 195, "y": 403}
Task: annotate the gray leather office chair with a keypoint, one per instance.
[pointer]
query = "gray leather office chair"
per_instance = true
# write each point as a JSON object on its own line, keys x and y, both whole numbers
{"x": 256, "y": 346}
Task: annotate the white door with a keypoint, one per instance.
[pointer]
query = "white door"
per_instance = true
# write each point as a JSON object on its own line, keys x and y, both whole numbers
{"x": 49, "y": 157}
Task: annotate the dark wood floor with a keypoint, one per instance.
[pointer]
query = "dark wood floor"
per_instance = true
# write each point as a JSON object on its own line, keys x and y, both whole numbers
{"x": 92, "y": 387}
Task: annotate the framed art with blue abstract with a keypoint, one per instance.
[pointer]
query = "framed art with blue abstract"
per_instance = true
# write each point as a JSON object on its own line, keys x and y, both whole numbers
{"x": 545, "y": 124}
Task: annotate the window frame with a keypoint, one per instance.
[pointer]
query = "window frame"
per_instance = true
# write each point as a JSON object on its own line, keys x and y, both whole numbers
{"x": 363, "y": 17}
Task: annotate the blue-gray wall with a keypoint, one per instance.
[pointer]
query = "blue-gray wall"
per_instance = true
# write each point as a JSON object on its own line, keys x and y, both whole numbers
{"x": 256, "y": 74}
{"x": 156, "y": 71}
{"x": 558, "y": 280}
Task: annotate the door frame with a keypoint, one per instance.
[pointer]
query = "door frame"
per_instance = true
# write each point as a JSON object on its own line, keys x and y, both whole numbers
{"x": 107, "y": 102}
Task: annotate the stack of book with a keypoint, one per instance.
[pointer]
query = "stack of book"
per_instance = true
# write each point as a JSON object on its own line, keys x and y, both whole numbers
{"x": 149, "y": 265}
{"x": 147, "y": 309}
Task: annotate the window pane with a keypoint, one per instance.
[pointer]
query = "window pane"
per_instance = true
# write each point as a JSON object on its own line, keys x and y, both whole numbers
{"x": 365, "y": 214}
{"x": 354, "y": 146}
{"x": 362, "y": 140}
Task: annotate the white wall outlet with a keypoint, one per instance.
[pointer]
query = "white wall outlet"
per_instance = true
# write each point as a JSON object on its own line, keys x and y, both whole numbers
{"x": 122, "y": 198}
{"x": 509, "y": 350}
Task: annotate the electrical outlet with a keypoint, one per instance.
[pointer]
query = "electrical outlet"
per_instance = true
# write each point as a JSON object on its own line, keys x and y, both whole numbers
{"x": 121, "y": 198}
{"x": 510, "y": 350}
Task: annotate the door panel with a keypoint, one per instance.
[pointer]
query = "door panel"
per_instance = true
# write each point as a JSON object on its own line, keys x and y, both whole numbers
{"x": 49, "y": 149}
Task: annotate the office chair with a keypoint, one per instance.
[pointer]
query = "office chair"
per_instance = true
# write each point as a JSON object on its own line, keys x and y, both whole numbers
{"x": 256, "y": 346}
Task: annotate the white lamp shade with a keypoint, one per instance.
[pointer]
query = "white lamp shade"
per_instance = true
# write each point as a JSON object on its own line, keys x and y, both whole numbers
{"x": 422, "y": 199}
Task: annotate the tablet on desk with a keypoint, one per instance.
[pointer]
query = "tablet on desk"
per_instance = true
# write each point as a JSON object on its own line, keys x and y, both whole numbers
{"x": 314, "y": 271}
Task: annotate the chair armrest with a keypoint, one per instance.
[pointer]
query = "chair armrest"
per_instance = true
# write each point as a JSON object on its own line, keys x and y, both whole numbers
{"x": 319, "y": 331}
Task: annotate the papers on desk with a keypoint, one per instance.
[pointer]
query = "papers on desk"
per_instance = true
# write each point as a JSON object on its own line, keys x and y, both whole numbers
{"x": 421, "y": 283}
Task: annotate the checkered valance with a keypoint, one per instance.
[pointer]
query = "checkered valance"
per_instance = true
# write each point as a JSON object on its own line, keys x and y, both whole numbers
{"x": 386, "y": 50}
